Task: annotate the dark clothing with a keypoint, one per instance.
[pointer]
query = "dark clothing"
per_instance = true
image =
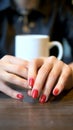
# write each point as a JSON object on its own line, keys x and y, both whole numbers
{"x": 59, "y": 25}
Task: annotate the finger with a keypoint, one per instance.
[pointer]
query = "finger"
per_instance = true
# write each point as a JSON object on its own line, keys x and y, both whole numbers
{"x": 15, "y": 60}
{"x": 13, "y": 79}
{"x": 65, "y": 80}
{"x": 15, "y": 69}
{"x": 51, "y": 81}
{"x": 10, "y": 92}
{"x": 41, "y": 79}
{"x": 32, "y": 71}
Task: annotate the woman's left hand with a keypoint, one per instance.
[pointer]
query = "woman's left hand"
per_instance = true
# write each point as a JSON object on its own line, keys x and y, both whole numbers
{"x": 48, "y": 75}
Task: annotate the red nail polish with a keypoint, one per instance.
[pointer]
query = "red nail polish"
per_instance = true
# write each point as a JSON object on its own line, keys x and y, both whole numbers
{"x": 43, "y": 99}
{"x": 56, "y": 91}
{"x": 35, "y": 93}
{"x": 20, "y": 96}
{"x": 31, "y": 82}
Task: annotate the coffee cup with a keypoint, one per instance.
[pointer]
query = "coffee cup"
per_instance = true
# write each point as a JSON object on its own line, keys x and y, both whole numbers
{"x": 29, "y": 47}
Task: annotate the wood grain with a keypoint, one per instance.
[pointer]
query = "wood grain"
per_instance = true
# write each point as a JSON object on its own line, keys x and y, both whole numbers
{"x": 29, "y": 114}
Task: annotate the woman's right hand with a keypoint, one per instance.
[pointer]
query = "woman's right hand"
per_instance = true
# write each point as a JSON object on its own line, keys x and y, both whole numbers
{"x": 13, "y": 71}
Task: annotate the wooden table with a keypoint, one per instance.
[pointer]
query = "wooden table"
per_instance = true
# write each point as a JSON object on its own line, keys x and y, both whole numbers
{"x": 56, "y": 114}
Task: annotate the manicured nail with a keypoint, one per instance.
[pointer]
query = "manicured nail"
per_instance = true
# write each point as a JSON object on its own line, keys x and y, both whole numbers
{"x": 31, "y": 82}
{"x": 42, "y": 99}
{"x": 56, "y": 91}
{"x": 20, "y": 96}
{"x": 35, "y": 93}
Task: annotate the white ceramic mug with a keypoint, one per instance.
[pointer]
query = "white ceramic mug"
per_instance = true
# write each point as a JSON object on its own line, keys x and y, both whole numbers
{"x": 29, "y": 47}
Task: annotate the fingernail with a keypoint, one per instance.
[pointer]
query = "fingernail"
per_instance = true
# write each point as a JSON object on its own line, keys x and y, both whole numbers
{"x": 20, "y": 96}
{"x": 31, "y": 82}
{"x": 42, "y": 99}
{"x": 56, "y": 91}
{"x": 35, "y": 93}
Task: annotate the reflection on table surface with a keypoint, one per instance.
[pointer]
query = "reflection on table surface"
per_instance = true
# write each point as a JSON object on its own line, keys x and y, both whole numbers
{"x": 29, "y": 114}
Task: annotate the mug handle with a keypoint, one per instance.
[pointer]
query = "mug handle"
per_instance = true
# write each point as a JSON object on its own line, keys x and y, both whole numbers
{"x": 59, "y": 46}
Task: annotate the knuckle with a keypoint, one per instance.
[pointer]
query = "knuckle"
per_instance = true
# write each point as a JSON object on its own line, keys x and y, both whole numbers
{"x": 24, "y": 63}
{"x": 60, "y": 63}
{"x": 44, "y": 70}
{"x": 33, "y": 62}
{"x": 6, "y": 57}
{"x": 18, "y": 69}
{"x": 52, "y": 58}
{"x": 41, "y": 71}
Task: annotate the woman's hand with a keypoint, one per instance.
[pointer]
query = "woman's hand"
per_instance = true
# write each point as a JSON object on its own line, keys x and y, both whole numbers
{"x": 13, "y": 71}
{"x": 48, "y": 75}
